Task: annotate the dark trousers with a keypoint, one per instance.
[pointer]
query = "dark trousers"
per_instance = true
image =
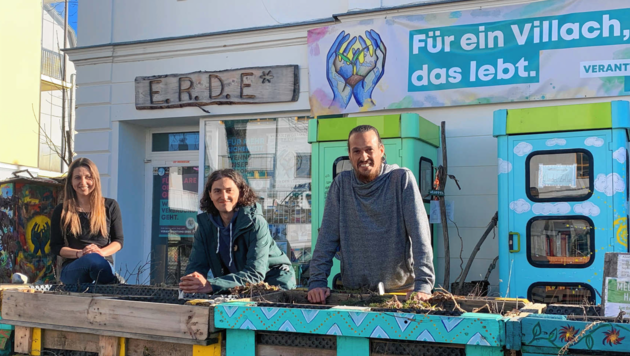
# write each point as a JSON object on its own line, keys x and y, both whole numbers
{"x": 87, "y": 269}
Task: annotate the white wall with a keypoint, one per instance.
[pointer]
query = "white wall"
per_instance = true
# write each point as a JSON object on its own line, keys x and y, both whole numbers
{"x": 112, "y": 21}
{"x": 129, "y": 171}
{"x": 148, "y": 19}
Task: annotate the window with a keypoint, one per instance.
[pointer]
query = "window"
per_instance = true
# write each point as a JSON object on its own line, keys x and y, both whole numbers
{"x": 561, "y": 293}
{"x": 341, "y": 164}
{"x": 274, "y": 157}
{"x": 303, "y": 165}
{"x": 426, "y": 178}
{"x": 175, "y": 141}
{"x": 565, "y": 242}
{"x": 565, "y": 175}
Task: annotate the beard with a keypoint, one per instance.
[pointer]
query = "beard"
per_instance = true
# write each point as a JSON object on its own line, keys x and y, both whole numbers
{"x": 368, "y": 176}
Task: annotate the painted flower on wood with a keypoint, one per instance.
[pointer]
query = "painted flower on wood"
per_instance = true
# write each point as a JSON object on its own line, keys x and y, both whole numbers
{"x": 612, "y": 337}
{"x": 567, "y": 333}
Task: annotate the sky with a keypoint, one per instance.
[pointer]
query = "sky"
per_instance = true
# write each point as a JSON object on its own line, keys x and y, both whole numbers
{"x": 73, "y": 7}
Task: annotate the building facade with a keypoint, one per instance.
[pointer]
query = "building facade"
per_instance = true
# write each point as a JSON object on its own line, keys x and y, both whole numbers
{"x": 154, "y": 162}
{"x": 32, "y": 105}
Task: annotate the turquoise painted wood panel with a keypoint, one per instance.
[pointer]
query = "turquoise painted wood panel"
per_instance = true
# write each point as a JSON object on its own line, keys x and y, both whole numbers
{"x": 240, "y": 343}
{"x": 472, "y": 350}
{"x": 468, "y": 329}
{"x": 549, "y": 333}
{"x": 351, "y": 346}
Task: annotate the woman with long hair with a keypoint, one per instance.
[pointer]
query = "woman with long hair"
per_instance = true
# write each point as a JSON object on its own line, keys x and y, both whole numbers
{"x": 86, "y": 228}
{"x": 233, "y": 240}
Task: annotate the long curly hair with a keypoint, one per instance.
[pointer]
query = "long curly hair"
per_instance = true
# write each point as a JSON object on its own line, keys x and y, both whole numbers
{"x": 246, "y": 195}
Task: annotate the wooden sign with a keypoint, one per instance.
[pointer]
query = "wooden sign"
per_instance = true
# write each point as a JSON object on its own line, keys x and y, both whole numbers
{"x": 238, "y": 86}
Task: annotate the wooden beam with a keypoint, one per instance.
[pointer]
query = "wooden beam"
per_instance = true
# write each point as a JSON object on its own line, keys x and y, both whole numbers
{"x": 23, "y": 340}
{"x": 120, "y": 316}
{"x": 112, "y": 345}
{"x": 108, "y": 346}
{"x": 210, "y": 340}
{"x": 72, "y": 341}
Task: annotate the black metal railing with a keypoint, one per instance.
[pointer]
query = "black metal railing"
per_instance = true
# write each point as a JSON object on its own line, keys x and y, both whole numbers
{"x": 52, "y": 63}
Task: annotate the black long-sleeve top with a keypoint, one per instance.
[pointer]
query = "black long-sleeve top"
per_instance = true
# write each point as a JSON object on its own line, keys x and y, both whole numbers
{"x": 114, "y": 228}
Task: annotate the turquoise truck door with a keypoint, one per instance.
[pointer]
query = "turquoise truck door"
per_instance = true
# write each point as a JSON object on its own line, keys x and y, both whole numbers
{"x": 560, "y": 214}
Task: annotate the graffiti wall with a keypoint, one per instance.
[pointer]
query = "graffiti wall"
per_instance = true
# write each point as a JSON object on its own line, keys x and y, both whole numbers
{"x": 25, "y": 247}
{"x": 8, "y": 242}
{"x": 35, "y": 206}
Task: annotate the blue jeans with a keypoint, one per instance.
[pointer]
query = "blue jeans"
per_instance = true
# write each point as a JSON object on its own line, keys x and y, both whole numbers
{"x": 87, "y": 269}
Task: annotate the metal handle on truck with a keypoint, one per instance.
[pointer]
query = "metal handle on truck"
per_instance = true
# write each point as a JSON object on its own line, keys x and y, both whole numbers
{"x": 511, "y": 242}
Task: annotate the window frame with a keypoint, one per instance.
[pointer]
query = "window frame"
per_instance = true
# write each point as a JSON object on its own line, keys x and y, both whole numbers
{"x": 310, "y": 169}
{"x": 152, "y": 139}
{"x": 560, "y": 217}
{"x": 339, "y": 159}
{"x": 425, "y": 159}
{"x": 563, "y": 199}
{"x": 560, "y": 284}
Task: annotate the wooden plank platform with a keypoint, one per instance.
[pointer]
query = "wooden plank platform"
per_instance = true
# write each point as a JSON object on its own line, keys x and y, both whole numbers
{"x": 188, "y": 322}
{"x": 107, "y": 345}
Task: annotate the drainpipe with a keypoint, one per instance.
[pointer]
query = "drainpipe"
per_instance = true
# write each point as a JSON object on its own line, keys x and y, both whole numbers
{"x": 63, "y": 86}
{"x": 70, "y": 133}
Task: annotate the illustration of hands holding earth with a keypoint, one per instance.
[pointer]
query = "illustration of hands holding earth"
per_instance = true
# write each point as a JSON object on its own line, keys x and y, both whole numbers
{"x": 354, "y": 70}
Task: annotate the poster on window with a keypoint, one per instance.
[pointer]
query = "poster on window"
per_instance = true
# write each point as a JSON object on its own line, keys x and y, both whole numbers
{"x": 557, "y": 175}
{"x": 617, "y": 296}
{"x": 175, "y": 201}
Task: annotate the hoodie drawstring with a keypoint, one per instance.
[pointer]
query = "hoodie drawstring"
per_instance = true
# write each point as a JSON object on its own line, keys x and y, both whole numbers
{"x": 218, "y": 239}
{"x": 219, "y": 242}
{"x": 231, "y": 245}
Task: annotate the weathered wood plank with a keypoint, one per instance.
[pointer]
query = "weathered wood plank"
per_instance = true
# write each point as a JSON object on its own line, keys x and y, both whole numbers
{"x": 67, "y": 340}
{"x": 137, "y": 347}
{"x": 108, "y": 346}
{"x": 274, "y": 350}
{"x": 75, "y": 341}
{"x": 237, "y": 86}
{"x": 211, "y": 338}
{"x": 121, "y": 316}
{"x": 23, "y": 340}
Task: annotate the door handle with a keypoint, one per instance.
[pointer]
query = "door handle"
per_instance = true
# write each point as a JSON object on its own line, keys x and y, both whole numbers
{"x": 511, "y": 242}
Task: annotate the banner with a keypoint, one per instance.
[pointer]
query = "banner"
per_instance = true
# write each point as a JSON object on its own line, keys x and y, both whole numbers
{"x": 556, "y": 49}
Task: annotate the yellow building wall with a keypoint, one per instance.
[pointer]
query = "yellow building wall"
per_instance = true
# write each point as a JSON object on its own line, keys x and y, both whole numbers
{"x": 20, "y": 74}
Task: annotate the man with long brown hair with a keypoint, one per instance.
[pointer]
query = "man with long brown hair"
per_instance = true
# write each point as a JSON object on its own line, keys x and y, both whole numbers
{"x": 233, "y": 240}
{"x": 86, "y": 228}
{"x": 375, "y": 216}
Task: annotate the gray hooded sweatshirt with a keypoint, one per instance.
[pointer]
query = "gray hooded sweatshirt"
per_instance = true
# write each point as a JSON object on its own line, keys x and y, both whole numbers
{"x": 382, "y": 230}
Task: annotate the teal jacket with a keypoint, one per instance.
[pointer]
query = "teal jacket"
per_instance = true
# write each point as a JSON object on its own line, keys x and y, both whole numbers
{"x": 255, "y": 253}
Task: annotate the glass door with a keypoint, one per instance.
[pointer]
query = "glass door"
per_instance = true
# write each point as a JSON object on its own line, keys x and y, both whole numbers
{"x": 174, "y": 220}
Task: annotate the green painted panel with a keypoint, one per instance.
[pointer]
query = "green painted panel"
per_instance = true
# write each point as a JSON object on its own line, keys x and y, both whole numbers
{"x": 429, "y": 132}
{"x": 559, "y": 118}
{"x": 312, "y": 130}
{"x": 388, "y": 126}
